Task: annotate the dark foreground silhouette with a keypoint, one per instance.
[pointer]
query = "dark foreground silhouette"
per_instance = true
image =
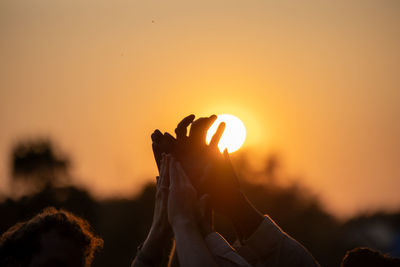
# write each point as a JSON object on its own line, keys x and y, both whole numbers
{"x": 51, "y": 238}
{"x": 367, "y": 257}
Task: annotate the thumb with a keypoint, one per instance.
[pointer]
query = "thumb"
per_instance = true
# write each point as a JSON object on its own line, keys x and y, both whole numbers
{"x": 226, "y": 154}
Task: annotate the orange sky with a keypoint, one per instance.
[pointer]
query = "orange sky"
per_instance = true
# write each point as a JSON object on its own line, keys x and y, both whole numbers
{"x": 317, "y": 81}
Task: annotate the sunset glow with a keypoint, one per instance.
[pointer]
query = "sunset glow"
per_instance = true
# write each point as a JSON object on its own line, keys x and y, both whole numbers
{"x": 314, "y": 82}
{"x": 233, "y": 136}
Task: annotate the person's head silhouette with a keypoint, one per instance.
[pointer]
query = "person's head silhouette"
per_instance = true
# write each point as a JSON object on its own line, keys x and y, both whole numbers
{"x": 367, "y": 257}
{"x": 51, "y": 238}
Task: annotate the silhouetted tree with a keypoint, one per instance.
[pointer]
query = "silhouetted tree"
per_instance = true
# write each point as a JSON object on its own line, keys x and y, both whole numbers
{"x": 123, "y": 223}
{"x": 37, "y": 164}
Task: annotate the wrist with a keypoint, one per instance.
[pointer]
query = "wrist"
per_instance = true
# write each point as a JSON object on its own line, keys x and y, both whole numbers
{"x": 246, "y": 219}
{"x": 146, "y": 257}
{"x": 237, "y": 202}
{"x": 155, "y": 244}
{"x": 160, "y": 231}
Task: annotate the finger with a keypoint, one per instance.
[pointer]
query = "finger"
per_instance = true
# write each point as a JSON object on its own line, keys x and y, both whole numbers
{"x": 227, "y": 159}
{"x": 181, "y": 129}
{"x": 218, "y": 134}
{"x": 162, "y": 167}
{"x": 164, "y": 181}
{"x": 173, "y": 175}
{"x": 229, "y": 168}
{"x": 156, "y": 136}
{"x": 184, "y": 179}
{"x": 199, "y": 128}
{"x": 168, "y": 142}
{"x": 169, "y": 138}
{"x": 226, "y": 154}
{"x": 157, "y": 155}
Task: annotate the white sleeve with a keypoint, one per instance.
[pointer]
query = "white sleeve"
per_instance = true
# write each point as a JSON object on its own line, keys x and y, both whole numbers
{"x": 270, "y": 246}
{"x": 224, "y": 254}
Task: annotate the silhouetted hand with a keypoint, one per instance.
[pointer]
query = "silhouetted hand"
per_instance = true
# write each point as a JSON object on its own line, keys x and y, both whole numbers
{"x": 220, "y": 182}
{"x": 183, "y": 205}
{"x": 162, "y": 143}
{"x": 192, "y": 149}
{"x": 160, "y": 217}
{"x": 209, "y": 170}
{"x": 182, "y": 196}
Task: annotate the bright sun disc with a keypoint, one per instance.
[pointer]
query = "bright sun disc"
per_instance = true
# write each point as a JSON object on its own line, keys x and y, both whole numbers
{"x": 233, "y": 136}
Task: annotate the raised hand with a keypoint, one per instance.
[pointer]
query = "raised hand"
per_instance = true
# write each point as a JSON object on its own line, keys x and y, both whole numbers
{"x": 210, "y": 171}
{"x": 182, "y": 202}
{"x": 157, "y": 241}
{"x": 160, "y": 217}
{"x": 188, "y": 149}
{"x": 183, "y": 216}
{"x": 192, "y": 149}
{"x": 162, "y": 143}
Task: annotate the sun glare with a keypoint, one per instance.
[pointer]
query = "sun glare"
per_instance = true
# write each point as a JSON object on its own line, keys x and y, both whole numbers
{"x": 233, "y": 136}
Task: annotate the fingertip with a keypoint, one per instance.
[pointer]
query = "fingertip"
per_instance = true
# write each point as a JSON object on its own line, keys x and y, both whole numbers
{"x": 186, "y": 121}
{"x": 221, "y": 128}
{"x": 155, "y": 135}
{"x": 167, "y": 134}
{"x": 213, "y": 118}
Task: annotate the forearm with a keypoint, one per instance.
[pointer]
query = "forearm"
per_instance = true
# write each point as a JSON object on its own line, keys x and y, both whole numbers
{"x": 191, "y": 247}
{"x": 246, "y": 217}
{"x": 153, "y": 250}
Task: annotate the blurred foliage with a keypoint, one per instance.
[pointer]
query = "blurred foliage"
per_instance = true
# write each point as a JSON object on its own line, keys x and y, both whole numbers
{"x": 123, "y": 223}
{"x": 36, "y": 164}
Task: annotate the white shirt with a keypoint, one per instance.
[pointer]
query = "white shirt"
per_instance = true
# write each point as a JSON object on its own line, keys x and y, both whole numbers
{"x": 267, "y": 246}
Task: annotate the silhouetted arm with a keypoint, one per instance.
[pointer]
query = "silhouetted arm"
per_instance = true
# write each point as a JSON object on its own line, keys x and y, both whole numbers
{"x": 245, "y": 218}
{"x": 190, "y": 245}
{"x": 221, "y": 183}
{"x": 153, "y": 251}
{"x": 191, "y": 248}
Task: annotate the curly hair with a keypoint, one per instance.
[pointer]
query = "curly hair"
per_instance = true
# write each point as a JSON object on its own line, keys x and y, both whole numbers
{"x": 20, "y": 242}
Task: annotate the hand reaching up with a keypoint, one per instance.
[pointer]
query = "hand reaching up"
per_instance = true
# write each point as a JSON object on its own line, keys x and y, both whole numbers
{"x": 182, "y": 200}
{"x": 183, "y": 215}
{"x": 210, "y": 172}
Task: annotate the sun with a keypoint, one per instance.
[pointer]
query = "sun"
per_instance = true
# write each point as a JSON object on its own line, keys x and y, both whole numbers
{"x": 233, "y": 136}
